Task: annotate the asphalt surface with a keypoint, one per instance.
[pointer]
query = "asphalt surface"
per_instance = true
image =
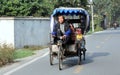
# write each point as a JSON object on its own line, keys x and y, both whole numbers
{"x": 102, "y": 58}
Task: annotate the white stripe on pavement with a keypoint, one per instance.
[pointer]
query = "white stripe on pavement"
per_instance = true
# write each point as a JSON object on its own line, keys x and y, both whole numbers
{"x": 13, "y": 70}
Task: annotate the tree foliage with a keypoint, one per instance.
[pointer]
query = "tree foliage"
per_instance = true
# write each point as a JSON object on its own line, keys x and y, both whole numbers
{"x": 35, "y": 7}
{"x": 25, "y": 8}
{"x": 110, "y": 8}
{"x": 71, "y": 3}
{"x": 45, "y": 7}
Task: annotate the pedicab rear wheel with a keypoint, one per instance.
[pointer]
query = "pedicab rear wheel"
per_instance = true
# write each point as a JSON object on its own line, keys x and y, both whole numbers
{"x": 79, "y": 54}
{"x": 51, "y": 56}
{"x": 84, "y": 53}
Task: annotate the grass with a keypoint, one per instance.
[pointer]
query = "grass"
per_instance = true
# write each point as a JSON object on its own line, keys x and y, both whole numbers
{"x": 27, "y": 51}
{"x": 21, "y": 53}
{"x": 90, "y": 32}
{"x": 98, "y": 28}
{"x": 32, "y": 47}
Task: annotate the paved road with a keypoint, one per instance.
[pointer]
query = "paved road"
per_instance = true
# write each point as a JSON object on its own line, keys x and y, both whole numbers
{"x": 103, "y": 58}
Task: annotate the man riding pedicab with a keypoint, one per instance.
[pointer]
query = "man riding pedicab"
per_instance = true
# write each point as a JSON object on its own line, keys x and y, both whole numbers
{"x": 63, "y": 30}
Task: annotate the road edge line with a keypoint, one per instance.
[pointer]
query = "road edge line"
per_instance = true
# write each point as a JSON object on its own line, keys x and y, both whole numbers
{"x": 28, "y": 63}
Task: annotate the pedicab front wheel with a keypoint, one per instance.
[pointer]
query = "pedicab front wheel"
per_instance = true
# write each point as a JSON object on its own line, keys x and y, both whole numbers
{"x": 60, "y": 57}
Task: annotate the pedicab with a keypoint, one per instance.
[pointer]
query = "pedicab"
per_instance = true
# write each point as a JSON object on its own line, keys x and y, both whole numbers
{"x": 79, "y": 18}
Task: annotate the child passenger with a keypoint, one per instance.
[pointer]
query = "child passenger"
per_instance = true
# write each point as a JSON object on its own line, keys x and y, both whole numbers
{"x": 79, "y": 39}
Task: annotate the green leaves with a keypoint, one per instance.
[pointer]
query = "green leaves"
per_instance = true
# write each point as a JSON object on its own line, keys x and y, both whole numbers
{"x": 35, "y": 7}
{"x": 110, "y": 7}
{"x": 25, "y": 8}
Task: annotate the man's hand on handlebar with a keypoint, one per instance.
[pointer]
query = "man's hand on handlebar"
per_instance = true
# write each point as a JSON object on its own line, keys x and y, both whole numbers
{"x": 63, "y": 37}
{"x": 53, "y": 36}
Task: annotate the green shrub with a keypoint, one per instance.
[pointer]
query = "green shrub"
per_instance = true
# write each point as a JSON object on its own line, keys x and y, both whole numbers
{"x": 6, "y": 53}
{"x": 98, "y": 28}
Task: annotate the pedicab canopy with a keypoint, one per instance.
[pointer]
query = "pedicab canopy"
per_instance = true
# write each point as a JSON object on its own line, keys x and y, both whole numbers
{"x": 71, "y": 11}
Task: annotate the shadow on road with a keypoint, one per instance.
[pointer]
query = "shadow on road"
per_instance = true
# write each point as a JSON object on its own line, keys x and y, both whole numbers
{"x": 98, "y": 54}
{"x": 90, "y": 56}
{"x": 70, "y": 62}
{"x": 73, "y": 61}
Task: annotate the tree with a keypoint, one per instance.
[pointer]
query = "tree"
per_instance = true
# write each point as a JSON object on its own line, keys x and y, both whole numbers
{"x": 71, "y": 3}
{"x": 108, "y": 7}
{"x": 38, "y": 8}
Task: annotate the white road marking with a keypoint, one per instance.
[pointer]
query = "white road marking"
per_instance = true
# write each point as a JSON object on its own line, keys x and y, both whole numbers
{"x": 13, "y": 70}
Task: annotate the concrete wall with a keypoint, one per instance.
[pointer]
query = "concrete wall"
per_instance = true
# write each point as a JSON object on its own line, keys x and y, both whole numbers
{"x": 7, "y": 30}
{"x": 25, "y": 31}
{"x": 31, "y": 31}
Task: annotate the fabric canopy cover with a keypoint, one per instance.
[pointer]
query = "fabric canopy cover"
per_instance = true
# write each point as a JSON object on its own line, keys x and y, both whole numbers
{"x": 69, "y": 11}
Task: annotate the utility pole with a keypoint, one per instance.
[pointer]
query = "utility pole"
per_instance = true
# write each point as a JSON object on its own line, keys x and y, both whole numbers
{"x": 91, "y": 5}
